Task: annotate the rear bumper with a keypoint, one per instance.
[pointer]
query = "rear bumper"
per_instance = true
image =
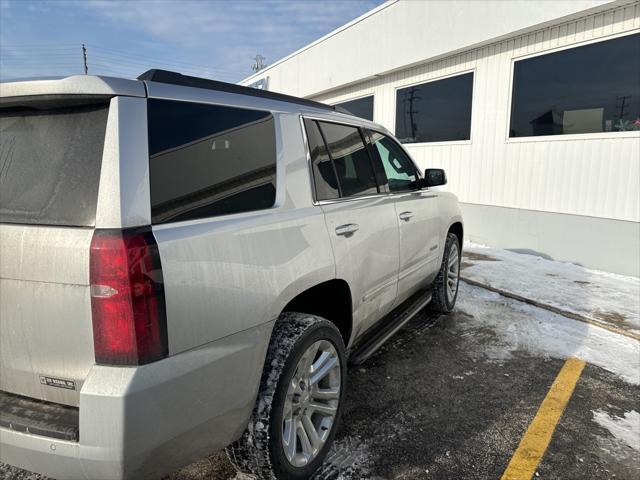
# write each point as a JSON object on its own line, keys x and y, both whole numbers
{"x": 147, "y": 421}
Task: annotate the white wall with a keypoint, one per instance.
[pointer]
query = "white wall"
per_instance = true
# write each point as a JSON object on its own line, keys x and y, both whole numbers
{"x": 592, "y": 174}
{"x": 403, "y": 33}
{"x": 513, "y": 189}
{"x": 598, "y": 243}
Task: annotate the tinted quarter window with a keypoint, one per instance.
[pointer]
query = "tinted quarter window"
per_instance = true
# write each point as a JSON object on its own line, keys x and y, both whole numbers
{"x": 360, "y": 107}
{"x": 398, "y": 167}
{"x": 350, "y": 159}
{"x": 324, "y": 175}
{"x": 593, "y": 88}
{"x": 436, "y": 111}
{"x": 50, "y": 164}
{"x": 208, "y": 160}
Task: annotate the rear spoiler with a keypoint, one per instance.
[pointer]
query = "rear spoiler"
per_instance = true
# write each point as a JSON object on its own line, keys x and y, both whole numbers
{"x": 83, "y": 85}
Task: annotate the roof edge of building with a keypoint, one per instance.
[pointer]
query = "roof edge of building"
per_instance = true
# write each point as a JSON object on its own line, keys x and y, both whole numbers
{"x": 611, "y": 5}
{"x": 332, "y": 33}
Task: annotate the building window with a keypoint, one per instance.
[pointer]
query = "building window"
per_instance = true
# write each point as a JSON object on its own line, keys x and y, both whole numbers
{"x": 209, "y": 160}
{"x": 437, "y": 111}
{"x": 360, "y": 107}
{"x": 589, "y": 89}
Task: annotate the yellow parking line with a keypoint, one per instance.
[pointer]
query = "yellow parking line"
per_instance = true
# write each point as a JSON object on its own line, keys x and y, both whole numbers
{"x": 525, "y": 460}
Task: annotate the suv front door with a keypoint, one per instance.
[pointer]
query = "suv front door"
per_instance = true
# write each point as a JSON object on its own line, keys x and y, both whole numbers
{"x": 362, "y": 223}
{"x": 416, "y": 214}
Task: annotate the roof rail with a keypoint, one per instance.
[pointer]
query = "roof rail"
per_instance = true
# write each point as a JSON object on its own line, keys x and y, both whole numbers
{"x": 175, "y": 78}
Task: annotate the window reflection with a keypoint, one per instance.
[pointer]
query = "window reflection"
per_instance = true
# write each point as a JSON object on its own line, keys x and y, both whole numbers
{"x": 209, "y": 160}
{"x": 435, "y": 111}
{"x": 326, "y": 184}
{"x": 588, "y": 89}
{"x": 360, "y": 107}
{"x": 398, "y": 167}
{"x": 350, "y": 159}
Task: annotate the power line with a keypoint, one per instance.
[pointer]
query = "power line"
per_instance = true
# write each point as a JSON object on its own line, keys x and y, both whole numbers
{"x": 128, "y": 55}
{"x": 62, "y": 57}
{"x": 107, "y": 51}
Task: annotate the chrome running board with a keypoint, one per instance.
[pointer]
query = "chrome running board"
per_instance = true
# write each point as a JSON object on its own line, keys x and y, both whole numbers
{"x": 388, "y": 327}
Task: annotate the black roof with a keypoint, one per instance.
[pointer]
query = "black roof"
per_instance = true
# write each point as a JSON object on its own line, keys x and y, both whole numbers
{"x": 175, "y": 78}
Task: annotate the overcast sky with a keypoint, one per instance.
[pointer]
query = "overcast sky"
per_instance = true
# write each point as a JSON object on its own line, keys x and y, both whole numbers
{"x": 213, "y": 38}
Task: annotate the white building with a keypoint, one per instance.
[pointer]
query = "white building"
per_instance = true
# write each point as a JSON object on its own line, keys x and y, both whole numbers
{"x": 528, "y": 105}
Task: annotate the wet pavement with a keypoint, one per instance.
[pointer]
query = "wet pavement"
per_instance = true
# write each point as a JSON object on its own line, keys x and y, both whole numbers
{"x": 451, "y": 397}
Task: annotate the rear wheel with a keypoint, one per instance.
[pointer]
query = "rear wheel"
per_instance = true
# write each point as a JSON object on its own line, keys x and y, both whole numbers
{"x": 298, "y": 407}
{"x": 445, "y": 286}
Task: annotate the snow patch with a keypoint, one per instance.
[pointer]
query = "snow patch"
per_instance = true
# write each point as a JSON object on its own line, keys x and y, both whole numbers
{"x": 600, "y": 296}
{"x": 625, "y": 429}
{"x": 518, "y": 326}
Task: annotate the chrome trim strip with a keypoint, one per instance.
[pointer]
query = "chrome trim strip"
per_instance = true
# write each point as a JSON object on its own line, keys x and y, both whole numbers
{"x": 378, "y": 195}
{"x": 375, "y": 291}
{"x": 309, "y": 165}
{"x": 349, "y": 121}
{"x": 412, "y": 269}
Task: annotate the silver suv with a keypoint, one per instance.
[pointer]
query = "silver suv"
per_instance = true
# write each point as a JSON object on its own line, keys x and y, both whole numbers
{"x": 187, "y": 265}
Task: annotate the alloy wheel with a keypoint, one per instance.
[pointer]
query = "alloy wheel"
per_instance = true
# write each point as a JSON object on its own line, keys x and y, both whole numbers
{"x": 453, "y": 272}
{"x": 311, "y": 403}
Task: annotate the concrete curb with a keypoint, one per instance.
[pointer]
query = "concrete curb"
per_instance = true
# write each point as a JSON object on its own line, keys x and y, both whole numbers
{"x": 559, "y": 311}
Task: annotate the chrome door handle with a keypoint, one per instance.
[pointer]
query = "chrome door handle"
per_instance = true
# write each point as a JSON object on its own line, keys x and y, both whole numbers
{"x": 347, "y": 229}
{"x": 406, "y": 216}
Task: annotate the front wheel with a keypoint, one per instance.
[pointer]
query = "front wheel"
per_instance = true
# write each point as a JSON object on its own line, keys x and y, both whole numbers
{"x": 445, "y": 286}
{"x": 298, "y": 406}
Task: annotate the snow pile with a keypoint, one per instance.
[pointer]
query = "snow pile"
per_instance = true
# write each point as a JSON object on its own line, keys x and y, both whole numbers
{"x": 625, "y": 429}
{"x": 600, "y": 296}
{"x": 518, "y": 326}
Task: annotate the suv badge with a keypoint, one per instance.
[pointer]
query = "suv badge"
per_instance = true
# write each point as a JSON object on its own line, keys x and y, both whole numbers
{"x": 57, "y": 382}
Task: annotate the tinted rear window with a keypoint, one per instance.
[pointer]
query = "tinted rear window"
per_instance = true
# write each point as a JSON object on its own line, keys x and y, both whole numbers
{"x": 209, "y": 160}
{"x": 50, "y": 165}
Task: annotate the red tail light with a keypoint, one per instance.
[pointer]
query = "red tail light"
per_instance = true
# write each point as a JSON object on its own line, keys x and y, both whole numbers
{"x": 127, "y": 297}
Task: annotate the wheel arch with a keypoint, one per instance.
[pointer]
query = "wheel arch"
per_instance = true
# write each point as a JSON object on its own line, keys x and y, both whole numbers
{"x": 458, "y": 230}
{"x": 331, "y": 300}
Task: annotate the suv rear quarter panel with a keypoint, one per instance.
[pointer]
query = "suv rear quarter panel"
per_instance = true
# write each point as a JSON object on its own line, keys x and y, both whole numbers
{"x": 230, "y": 273}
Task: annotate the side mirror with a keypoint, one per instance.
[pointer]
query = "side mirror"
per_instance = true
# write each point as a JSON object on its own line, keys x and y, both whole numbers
{"x": 434, "y": 177}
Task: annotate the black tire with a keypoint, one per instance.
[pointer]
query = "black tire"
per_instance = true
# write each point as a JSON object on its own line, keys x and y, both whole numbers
{"x": 260, "y": 450}
{"x": 441, "y": 301}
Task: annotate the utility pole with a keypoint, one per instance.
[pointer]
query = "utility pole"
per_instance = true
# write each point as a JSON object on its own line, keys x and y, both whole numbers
{"x": 621, "y": 106}
{"x": 412, "y": 112}
{"x": 84, "y": 59}
{"x": 259, "y": 65}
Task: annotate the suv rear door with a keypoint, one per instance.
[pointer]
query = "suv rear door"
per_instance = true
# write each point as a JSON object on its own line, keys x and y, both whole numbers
{"x": 416, "y": 213}
{"x": 50, "y": 162}
{"x": 362, "y": 223}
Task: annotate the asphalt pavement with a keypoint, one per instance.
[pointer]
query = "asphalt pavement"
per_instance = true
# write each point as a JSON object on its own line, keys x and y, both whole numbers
{"x": 451, "y": 397}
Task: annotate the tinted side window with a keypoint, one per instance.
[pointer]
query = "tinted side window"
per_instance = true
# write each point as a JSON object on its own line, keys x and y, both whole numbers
{"x": 435, "y": 111}
{"x": 208, "y": 160}
{"x": 594, "y": 88}
{"x": 400, "y": 170}
{"x": 360, "y": 107}
{"x": 350, "y": 159}
{"x": 324, "y": 176}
